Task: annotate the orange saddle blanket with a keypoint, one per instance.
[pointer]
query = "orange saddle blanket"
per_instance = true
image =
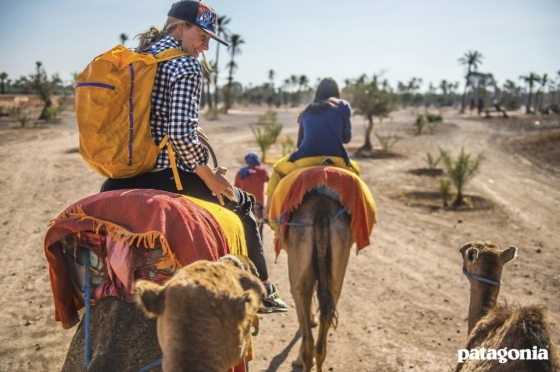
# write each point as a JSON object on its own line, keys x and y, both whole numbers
{"x": 351, "y": 191}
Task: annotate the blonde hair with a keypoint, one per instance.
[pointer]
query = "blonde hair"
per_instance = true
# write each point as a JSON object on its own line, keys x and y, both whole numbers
{"x": 153, "y": 35}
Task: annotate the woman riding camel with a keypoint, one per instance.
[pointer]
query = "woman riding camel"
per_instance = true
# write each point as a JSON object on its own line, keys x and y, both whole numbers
{"x": 324, "y": 128}
{"x": 174, "y": 111}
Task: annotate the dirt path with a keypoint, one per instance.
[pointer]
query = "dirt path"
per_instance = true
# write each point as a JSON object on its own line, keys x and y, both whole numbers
{"x": 404, "y": 302}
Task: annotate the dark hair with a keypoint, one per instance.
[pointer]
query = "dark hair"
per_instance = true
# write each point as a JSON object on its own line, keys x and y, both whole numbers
{"x": 327, "y": 89}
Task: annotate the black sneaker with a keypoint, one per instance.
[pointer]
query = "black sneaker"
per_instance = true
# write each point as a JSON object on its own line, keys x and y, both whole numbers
{"x": 272, "y": 303}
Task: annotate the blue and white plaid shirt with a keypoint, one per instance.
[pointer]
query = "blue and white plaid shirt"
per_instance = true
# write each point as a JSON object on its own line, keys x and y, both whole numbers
{"x": 175, "y": 104}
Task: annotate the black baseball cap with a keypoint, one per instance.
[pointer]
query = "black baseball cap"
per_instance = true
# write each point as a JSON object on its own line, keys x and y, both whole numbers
{"x": 198, "y": 13}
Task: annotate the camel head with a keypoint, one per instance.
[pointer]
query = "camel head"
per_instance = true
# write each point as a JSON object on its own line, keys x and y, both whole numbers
{"x": 204, "y": 313}
{"x": 485, "y": 259}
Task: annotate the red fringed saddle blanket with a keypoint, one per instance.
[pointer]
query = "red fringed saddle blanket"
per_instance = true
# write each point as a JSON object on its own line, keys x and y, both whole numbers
{"x": 348, "y": 188}
{"x": 131, "y": 234}
{"x": 113, "y": 225}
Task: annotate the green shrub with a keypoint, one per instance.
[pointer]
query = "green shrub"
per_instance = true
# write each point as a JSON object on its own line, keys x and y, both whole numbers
{"x": 15, "y": 111}
{"x": 212, "y": 113}
{"x": 419, "y": 124}
{"x": 288, "y": 146}
{"x": 268, "y": 117}
{"x": 434, "y": 118}
{"x": 50, "y": 114}
{"x": 444, "y": 189}
{"x": 266, "y": 132}
{"x": 432, "y": 164}
{"x": 387, "y": 142}
{"x": 432, "y": 128}
{"x": 23, "y": 120}
{"x": 461, "y": 171}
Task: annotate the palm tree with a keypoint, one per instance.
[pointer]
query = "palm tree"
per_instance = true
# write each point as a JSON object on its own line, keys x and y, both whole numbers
{"x": 303, "y": 82}
{"x": 540, "y": 94}
{"x": 511, "y": 99}
{"x": 530, "y": 79}
{"x": 224, "y": 33}
{"x": 124, "y": 38}
{"x": 271, "y": 95}
{"x": 271, "y": 78}
{"x": 294, "y": 81}
{"x": 444, "y": 87}
{"x": 3, "y": 77}
{"x": 471, "y": 59}
{"x": 234, "y": 49}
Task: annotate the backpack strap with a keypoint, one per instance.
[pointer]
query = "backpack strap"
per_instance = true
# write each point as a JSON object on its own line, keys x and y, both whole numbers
{"x": 172, "y": 161}
{"x": 162, "y": 57}
{"x": 169, "y": 54}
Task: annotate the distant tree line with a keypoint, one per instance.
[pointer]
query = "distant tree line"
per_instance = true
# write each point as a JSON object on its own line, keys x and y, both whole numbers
{"x": 538, "y": 93}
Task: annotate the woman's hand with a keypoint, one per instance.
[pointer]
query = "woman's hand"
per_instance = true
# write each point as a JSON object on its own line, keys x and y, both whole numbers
{"x": 216, "y": 181}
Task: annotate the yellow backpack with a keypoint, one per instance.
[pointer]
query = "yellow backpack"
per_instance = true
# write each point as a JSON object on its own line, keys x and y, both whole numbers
{"x": 113, "y": 101}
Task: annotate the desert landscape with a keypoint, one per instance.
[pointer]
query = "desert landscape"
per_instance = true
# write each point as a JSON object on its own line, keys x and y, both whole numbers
{"x": 404, "y": 304}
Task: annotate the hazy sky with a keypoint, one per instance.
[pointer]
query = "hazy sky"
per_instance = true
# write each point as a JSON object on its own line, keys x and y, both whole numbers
{"x": 341, "y": 39}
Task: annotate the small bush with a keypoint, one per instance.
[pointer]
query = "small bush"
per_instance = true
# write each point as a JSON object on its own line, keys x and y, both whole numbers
{"x": 419, "y": 124}
{"x": 461, "y": 171}
{"x": 23, "y": 120}
{"x": 15, "y": 111}
{"x": 432, "y": 128}
{"x": 444, "y": 189}
{"x": 212, "y": 113}
{"x": 387, "y": 142}
{"x": 434, "y": 118}
{"x": 61, "y": 103}
{"x": 268, "y": 134}
{"x": 432, "y": 164}
{"x": 51, "y": 114}
{"x": 288, "y": 146}
{"x": 268, "y": 117}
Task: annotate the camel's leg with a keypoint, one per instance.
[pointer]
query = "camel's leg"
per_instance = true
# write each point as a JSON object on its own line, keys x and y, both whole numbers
{"x": 321, "y": 347}
{"x": 341, "y": 242}
{"x": 301, "y": 286}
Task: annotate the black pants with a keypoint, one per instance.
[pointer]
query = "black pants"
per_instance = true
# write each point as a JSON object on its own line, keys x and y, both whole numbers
{"x": 194, "y": 186}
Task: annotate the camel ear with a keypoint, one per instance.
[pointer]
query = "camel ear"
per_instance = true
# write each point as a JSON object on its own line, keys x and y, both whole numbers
{"x": 233, "y": 260}
{"x": 249, "y": 303}
{"x": 242, "y": 262}
{"x": 252, "y": 302}
{"x": 509, "y": 254}
{"x": 249, "y": 266}
{"x": 472, "y": 255}
{"x": 150, "y": 297}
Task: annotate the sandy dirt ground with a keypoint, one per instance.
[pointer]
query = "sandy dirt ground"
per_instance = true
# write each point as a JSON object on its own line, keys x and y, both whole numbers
{"x": 404, "y": 303}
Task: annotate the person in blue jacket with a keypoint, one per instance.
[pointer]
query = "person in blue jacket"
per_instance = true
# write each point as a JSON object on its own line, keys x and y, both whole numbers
{"x": 324, "y": 125}
{"x": 324, "y": 128}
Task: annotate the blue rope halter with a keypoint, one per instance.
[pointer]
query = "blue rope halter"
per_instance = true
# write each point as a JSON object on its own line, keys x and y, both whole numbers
{"x": 87, "y": 297}
{"x": 281, "y": 217}
{"x": 474, "y": 276}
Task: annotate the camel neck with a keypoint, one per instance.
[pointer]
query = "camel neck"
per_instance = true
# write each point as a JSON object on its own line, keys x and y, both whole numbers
{"x": 483, "y": 298}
